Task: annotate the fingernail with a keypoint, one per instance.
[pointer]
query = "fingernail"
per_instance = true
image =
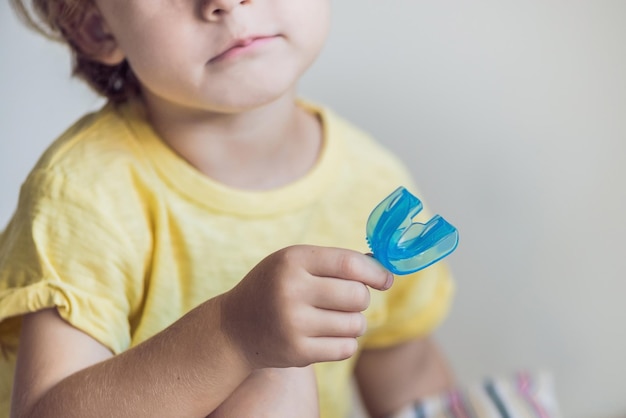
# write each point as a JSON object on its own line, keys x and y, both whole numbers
{"x": 389, "y": 281}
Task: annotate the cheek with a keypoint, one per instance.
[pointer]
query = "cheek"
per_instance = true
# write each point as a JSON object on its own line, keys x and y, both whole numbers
{"x": 306, "y": 18}
{"x": 159, "y": 60}
{"x": 309, "y": 25}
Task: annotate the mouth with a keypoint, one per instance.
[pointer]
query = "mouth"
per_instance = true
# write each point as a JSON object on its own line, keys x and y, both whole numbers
{"x": 242, "y": 46}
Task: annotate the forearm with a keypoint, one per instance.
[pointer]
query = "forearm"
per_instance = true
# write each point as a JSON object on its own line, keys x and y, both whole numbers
{"x": 186, "y": 370}
{"x": 189, "y": 369}
{"x": 391, "y": 378}
{"x": 275, "y": 393}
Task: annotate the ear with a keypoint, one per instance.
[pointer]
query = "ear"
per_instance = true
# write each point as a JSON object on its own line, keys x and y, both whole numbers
{"x": 94, "y": 39}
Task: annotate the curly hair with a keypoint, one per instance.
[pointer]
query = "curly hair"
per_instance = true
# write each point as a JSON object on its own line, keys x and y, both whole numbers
{"x": 55, "y": 19}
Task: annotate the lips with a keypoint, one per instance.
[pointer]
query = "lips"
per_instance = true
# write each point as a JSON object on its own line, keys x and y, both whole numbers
{"x": 241, "y": 45}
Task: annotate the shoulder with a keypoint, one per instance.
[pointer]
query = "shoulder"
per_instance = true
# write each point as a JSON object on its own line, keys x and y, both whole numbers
{"x": 96, "y": 164}
{"x": 95, "y": 145}
{"x": 84, "y": 194}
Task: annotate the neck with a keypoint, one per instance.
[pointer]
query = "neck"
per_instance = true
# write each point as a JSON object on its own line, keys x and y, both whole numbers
{"x": 262, "y": 148}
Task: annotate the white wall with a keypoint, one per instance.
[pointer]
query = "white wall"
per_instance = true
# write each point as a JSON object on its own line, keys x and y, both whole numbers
{"x": 512, "y": 116}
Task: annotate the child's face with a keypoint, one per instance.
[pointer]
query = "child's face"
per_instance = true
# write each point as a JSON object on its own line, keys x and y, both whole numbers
{"x": 176, "y": 48}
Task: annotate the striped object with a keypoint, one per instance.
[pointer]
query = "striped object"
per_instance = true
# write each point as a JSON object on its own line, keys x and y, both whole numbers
{"x": 523, "y": 395}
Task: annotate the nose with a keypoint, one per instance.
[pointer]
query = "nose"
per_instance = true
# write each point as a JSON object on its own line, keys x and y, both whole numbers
{"x": 214, "y": 10}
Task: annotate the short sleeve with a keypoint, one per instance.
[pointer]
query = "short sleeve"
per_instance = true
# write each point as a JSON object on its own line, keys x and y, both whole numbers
{"x": 68, "y": 247}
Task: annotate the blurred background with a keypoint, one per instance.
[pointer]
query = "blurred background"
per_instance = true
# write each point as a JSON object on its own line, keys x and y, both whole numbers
{"x": 511, "y": 116}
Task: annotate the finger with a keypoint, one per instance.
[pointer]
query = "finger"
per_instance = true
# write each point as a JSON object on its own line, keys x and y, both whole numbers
{"x": 340, "y": 295}
{"x": 349, "y": 265}
{"x": 336, "y": 324}
{"x": 323, "y": 349}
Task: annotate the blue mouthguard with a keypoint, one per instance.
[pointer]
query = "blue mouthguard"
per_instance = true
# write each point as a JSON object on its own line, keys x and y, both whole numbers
{"x": 404, "y": 246}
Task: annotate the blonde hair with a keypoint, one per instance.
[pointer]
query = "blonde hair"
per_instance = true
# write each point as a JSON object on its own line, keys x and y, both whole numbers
{"x": 58, "y": 20}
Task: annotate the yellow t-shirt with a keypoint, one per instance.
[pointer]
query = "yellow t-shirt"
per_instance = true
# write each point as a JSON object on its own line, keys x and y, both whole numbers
{"x": 124, "y": 237}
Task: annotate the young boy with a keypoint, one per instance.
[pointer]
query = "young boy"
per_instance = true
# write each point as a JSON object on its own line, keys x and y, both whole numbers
{"x": 196, "y": 247}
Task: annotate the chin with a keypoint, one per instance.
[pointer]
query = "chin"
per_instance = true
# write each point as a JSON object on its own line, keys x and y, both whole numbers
{"x": 249, "y": 103}
{"x": 261, "y": 93}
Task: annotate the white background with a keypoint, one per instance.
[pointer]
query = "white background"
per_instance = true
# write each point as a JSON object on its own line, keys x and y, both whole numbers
{"x": 511, "y": 115}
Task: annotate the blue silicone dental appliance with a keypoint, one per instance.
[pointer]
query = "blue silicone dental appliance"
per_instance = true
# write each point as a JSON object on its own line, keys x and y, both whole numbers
{"x": 404, "y": 246}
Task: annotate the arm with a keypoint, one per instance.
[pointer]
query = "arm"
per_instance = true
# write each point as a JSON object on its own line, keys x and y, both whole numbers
{"x": 278, "y": 392}
{"x": 390, "y": 378}
{"x": 273, "y": 393}
{"x": 62, "y": 371}
{"x": 299, "y": 306}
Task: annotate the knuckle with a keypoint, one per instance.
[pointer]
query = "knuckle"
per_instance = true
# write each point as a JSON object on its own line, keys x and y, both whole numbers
{"x": 296, "y": 321}
{"x": 363, "y": 321}
{"x": 357, "y": 325}
{"x": 348, "y": 264}
{"x": 289, "y": 292}
{"x": 359, "y": 296}
{"x": 347, "y": 348}
{"x": 285, "y": 256}
{"x": 297, "y": 353}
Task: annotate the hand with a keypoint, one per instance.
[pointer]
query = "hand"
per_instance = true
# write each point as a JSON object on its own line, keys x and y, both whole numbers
{"x": 302, "y": 305}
